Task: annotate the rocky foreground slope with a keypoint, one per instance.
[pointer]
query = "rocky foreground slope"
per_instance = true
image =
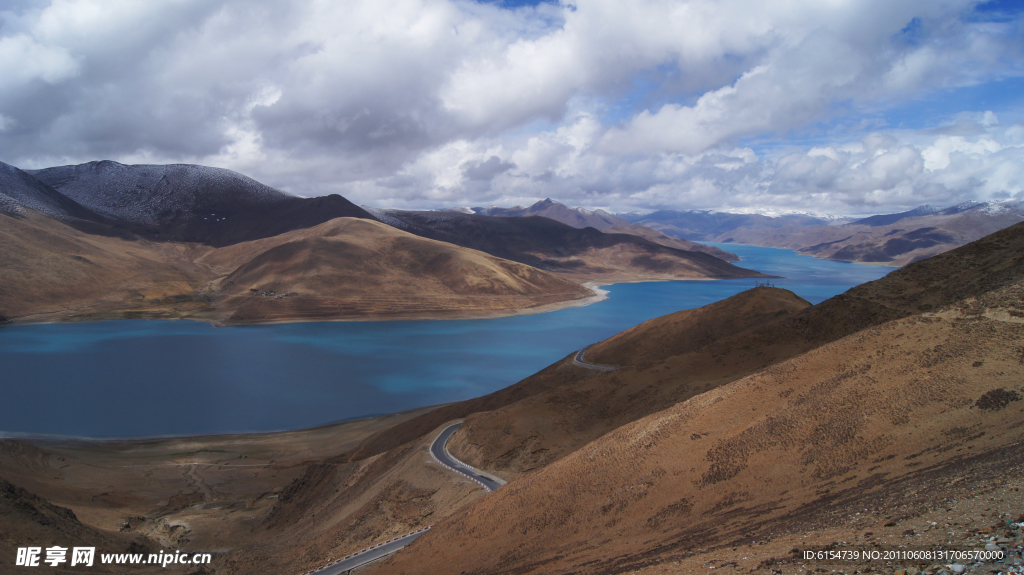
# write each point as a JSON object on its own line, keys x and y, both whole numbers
{"x": 28, "y": 519}
{"x": 920, "y": 394}
{"x": 670, "y": 359}
{"x": 278, "y": 503}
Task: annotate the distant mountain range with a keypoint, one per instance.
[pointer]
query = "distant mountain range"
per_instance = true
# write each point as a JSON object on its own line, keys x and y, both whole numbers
{"x": 104, "y": 240}
{"x": 548, "y": 208}
{"x": 583, "y": 254}
{"x": 890, "y": 239}
{"x": 925, "y": 210}
{"x": 708, "y": 225}
{"x": 597, "y": 219}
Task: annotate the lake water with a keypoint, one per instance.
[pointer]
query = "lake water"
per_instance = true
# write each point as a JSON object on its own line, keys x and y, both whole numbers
{"x": 145, "y": 378}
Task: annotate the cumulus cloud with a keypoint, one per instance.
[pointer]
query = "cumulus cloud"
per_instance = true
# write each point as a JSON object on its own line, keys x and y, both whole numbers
{"x": 23, "y": 60}
{"x": 890, "y": 170}
{"x": 486, "y": 171}
{"x": 422, "y": 103}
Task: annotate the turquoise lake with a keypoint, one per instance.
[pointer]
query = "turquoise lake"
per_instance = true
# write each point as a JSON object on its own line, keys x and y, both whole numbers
{"x": 151, "y": 378}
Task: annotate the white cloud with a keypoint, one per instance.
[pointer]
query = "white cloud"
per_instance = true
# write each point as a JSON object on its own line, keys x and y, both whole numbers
{"x": 936, "y": 156}
{"x": 430, "y": 102}
{"x": 811, "y": 69}
{"x": 884, "y": 170}
{"x": 23, "y": 60}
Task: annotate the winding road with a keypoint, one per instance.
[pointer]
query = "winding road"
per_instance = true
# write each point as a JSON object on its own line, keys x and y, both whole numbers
{"x": 578, "y": 360}
{"x": 369, "y": 555}
{"x": 439, "y": 451}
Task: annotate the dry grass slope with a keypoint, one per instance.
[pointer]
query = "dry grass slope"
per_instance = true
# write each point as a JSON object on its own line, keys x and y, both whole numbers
{"x": 279, "y": 503}
{"x": 347, "y": 268}
{"x": 50, "y": 268}
{"x": 886, "y": 412}
{"x": 359, "y": 268}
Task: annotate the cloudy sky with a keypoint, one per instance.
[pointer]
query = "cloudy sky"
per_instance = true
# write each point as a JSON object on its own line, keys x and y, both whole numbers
{"x": 829, "y": 106}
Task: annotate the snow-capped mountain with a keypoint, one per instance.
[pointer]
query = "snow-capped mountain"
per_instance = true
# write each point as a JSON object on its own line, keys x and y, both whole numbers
{"x": 155, "y": 194}
{"x": 184, "y": 202}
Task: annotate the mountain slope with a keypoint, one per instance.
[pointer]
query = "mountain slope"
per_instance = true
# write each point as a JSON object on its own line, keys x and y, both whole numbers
{"x": 662, "y": 337}
{"x": 599, "y": 219}
{"x": 21, "y": 194}
{"x": 891, "y": 239}
{"x": 837, "y": 432}
{"x": 669, "y": 241}
{"x": 49, "y": 267}
{"x": 584, "y": 254}
{"x": 710, "y": 225}
{"x": 916, "y": 406}
{"x": 351, "y": 267}
{"x": 182, "y": 202}
{"x": 27, "y": 519}
{"x": 549, "y": 414}
{"x": 677, "y": 356}
{"x": 547, "y": 208}
{"x": 342, "y": 269}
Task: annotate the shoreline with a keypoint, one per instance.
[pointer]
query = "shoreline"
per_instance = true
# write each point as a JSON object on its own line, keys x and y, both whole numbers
{"x": 454, "y": 315}
{"x": 815, "y": 256}
{"x": 84, "y": 440}
{"x": 598, "y": 295}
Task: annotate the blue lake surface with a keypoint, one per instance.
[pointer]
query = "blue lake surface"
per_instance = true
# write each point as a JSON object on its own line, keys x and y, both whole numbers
{"x": 148, "y": 378}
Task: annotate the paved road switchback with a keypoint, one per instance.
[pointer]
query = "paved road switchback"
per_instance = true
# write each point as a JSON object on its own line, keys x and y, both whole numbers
{"x": 440, "y": 452}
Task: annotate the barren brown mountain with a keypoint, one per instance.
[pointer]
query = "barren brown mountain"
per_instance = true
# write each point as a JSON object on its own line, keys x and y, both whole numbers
{"x": 582, "y": 254}
{"x": 904, "y": 241}
{"x": 360, "y": 268}
{"x": 913, "y": 386}
{"x": 599, "y": 219}
{"x": 855, "y": 426}
{"x": 103, "y": 240}
{"x": 669, "y": 241}
{"x": 889, "y": 239}
{"x": 343, "y": 269}
{"x": 51, "y": 271}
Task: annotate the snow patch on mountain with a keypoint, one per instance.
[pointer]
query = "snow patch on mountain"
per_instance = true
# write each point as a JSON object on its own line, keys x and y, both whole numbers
{"x": 155, "y": 194}
{"x": 19, "y": 190}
